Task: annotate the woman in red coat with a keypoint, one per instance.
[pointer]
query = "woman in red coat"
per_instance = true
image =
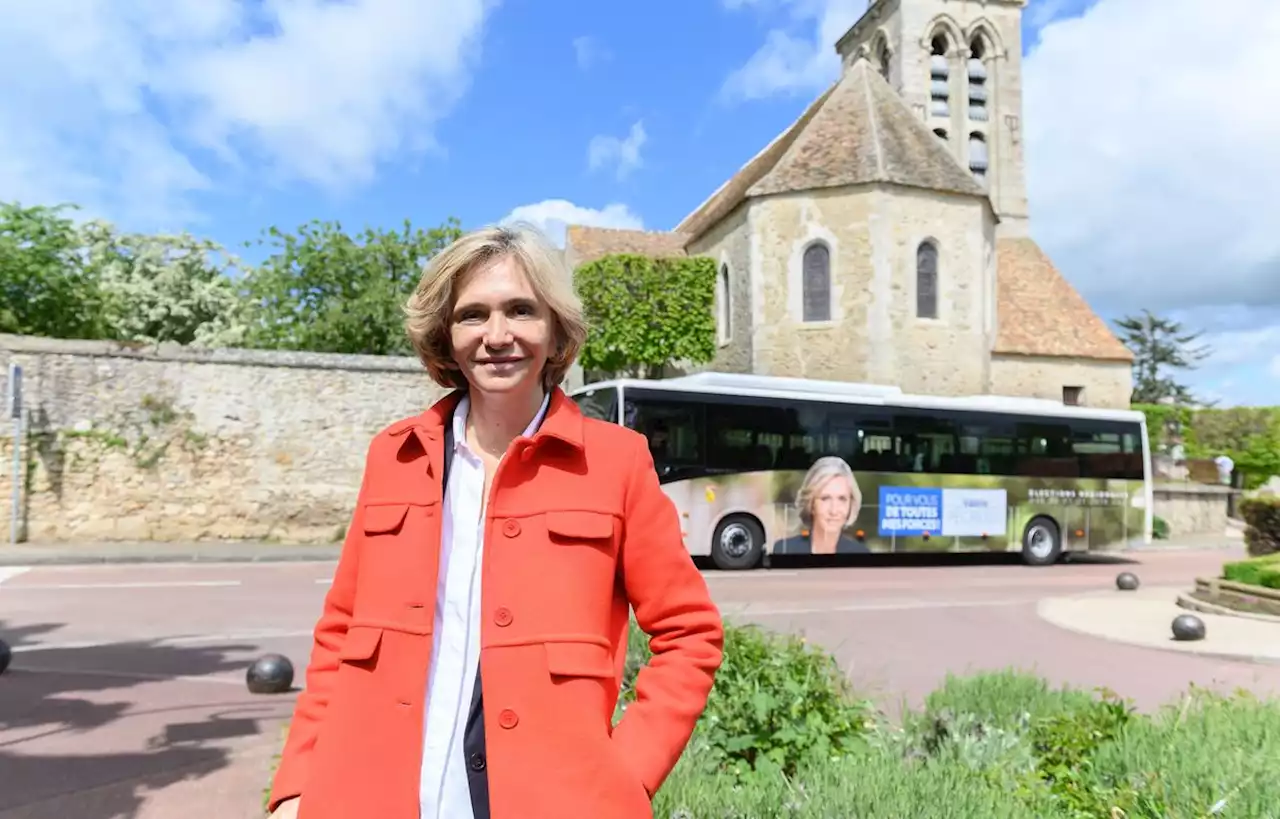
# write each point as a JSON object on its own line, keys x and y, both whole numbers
{"x": 467, "y": 661}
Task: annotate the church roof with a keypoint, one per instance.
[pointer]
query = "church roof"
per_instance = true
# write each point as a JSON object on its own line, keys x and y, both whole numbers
{"x": 1040, "y": 313}
{"x": 859, "y": 131}
{"x": 586, "y": 244}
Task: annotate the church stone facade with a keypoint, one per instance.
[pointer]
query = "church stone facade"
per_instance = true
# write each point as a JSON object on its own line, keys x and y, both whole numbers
{"x": 884, "y": 236}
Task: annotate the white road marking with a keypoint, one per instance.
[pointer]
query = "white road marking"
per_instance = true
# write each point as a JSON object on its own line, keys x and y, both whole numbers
{"x": 159, "y": 584}
{"x": 10, "y": 572}
{"x": 132, "y": 675}
{"x": 906, "y": 605}
{"x": 162, "y": 641}
{"x": 749, "y": 575}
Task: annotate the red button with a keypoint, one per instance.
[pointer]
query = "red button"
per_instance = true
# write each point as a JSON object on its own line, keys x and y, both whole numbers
{"x": 508, "y": 719}
{"x": 502, "y": 616}
{"x": 511, "y": 528}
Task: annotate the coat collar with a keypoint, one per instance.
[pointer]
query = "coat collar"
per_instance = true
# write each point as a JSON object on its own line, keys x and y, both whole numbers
{"x": 563, "y": 422}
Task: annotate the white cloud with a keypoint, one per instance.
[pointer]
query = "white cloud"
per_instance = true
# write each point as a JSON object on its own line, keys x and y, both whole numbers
{"x": 798, "y": 58}
{"x": 589, "y": 51}
{"x": 621, "y": 152}
{"x": 552, "y": 216}
{"x": 130, "y": 105}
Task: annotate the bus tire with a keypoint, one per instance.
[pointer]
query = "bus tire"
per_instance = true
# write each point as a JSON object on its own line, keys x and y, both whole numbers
{"x": 1041, "y": 542}
{"x": 737, "y": 544}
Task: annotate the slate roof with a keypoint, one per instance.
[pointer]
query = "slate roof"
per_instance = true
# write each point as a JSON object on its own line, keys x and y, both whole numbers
{"x": 1040, "y": 313}
{"x": 859, "y": 131}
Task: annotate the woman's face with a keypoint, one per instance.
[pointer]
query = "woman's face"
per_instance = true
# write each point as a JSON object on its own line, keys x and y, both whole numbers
{"x": 501, "y": 331}
{"x": 832, "y": 503}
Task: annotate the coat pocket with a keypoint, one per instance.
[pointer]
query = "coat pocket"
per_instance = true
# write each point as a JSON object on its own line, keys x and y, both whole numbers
{"x": 384, "y": 518}
{"x": 578, "y": 659}
{"x": 573, "y": 525}
{"x": 360, "y": 644}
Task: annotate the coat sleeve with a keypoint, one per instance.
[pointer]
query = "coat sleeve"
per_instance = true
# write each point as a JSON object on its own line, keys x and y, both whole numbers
{"x": 673, "y": 606}
{"x": 328, "y": 635}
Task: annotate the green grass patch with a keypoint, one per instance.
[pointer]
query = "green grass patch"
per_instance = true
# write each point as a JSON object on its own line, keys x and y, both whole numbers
{"x": 1257, "y": 571}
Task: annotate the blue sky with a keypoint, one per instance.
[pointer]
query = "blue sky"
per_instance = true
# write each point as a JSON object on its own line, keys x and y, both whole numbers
{"x": 225, "y": 116}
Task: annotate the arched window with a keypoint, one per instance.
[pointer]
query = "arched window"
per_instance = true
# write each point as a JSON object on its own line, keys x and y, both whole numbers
{"x": 940, "y": 133}
{"x": 724, "y": 312}
{"x": 978, "y": 156}
{"x": 927, "y": 280}
{"x": 939, "y": 78}
{"x": 815, "y": 283}
{"x": 977, "y": 79}
{"x": 882, "y": 56}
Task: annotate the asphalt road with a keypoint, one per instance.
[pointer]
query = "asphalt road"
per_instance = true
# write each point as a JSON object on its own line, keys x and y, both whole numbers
{"x": 126, "y": 696}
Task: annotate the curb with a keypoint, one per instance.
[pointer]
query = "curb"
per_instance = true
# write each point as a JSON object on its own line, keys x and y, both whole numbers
{"x": 1254, "y": 659}
{"x": 1186, "y": 601}
{"x": 30, "y": 559}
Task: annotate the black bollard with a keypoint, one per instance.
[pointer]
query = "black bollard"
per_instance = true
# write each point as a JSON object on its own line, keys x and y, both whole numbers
{"x": 1126, "y": 581}
{"x": 6, "y": 654}
{"x": 270, "y": 674}
{"x": 1188, "y": 627}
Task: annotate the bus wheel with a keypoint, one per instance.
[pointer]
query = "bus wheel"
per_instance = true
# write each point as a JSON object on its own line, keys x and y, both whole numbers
{"x": 1041, "y": 543}
{"x": 737, "y": 544}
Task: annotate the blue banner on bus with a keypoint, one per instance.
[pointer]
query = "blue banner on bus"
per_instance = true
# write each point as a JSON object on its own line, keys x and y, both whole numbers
{"x": 910, "y": 511}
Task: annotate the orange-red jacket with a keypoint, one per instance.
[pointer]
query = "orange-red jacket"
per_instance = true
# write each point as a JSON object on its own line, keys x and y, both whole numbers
{"x": 577, "y": 529}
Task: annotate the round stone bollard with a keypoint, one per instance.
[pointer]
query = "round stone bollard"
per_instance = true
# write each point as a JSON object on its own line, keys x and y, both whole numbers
{"x": 1188, "y": 627}
{"x": 6, "y": 655}
{"x": 1126, "y": 581}
{"x": 270, "y": 674}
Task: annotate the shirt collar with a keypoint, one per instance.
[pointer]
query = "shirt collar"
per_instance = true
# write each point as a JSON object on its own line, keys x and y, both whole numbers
{"x": 463, "y": 409}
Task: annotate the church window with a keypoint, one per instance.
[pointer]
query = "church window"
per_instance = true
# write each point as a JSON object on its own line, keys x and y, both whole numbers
{"x": 939, "y": 78}
{"x": 882, "y": 56}
{"x": 927, "y": 280}
{"x": 816, "y": 283}
{"x": 724, "y": 312}
{"x": 977, "y": 80}
{"x": 978, "y": 155}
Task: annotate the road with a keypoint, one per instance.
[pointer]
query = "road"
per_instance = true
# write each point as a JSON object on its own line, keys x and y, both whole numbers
{"x": 126, "y": 696}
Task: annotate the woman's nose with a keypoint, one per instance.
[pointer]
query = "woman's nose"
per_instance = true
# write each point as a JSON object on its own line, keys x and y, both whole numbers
{"x": 497, "y": 333}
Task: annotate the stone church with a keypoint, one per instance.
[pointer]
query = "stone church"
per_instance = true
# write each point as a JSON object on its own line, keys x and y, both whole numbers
{"x": 884, "y": 236}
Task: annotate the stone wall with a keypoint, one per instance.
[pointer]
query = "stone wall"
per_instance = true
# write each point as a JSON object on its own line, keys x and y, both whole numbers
{"x": 1192, "y": 508}
{"x": 1107, "y": 384}
{"x": 170, "y": 443}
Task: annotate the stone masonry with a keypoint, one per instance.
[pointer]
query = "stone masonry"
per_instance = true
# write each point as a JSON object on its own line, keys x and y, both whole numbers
{"x": 171, "y": 443}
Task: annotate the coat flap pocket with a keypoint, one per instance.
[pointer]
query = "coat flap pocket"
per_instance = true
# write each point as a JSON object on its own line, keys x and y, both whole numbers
{"x": 580, "y": 524}
{"x": 571, "y": 659}
{"x": 384, "y": 518}
{"x": 360, "y": 643}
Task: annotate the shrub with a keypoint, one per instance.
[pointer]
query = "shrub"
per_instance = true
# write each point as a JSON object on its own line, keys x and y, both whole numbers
{"x": 1259, "y": 571}
{"x": 1263, "y": 518}
{"x": 778, "y": 703}
{"x": 1159, "y": 528}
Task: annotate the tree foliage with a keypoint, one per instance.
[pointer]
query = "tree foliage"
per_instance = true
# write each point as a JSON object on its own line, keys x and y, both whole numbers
{"x": 1160, "y": 347}
{"x": 647, "y": 313}
{"x": 324, "y": 290}
{"x": 1250, "y": 436}
{"x": 46, "y": 289}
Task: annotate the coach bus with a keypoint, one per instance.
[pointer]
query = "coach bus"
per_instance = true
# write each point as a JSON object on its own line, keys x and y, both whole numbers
{"x": 760, "y": 466}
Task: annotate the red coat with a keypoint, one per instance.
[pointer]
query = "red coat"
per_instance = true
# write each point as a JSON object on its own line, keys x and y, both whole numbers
{"x": 576, "y": 529}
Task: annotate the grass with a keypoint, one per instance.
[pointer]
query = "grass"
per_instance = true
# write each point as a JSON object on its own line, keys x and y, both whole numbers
{"x": 783, "y": 737}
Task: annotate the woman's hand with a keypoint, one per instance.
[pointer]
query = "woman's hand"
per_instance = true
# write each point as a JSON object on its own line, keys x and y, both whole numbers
{"x": 288, "y": 809}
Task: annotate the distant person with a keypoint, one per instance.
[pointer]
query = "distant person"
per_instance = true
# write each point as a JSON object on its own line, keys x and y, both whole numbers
{"x": 467, "y": 660}
{"x": 1225, "y": 467}
{"x": 828, "y": 501}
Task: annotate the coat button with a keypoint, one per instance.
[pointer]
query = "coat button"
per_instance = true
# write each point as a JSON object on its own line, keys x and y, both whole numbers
{"x": 508, "y": 718}
{"x": 502, "y": 616}
{"x": 510, "y": 527}
{"x": 477, "y": 762}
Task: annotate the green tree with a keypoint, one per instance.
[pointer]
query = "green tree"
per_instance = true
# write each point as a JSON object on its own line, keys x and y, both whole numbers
{"x": 646, "y": 313}
{"x": 46, "y": 289}
{"x": 1160, "y": 347}
{"x": 324, "y": 290}
{"x": 163, "y": 288}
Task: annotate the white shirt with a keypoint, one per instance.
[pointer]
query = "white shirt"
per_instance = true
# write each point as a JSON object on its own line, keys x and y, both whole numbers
{"x": 443, "y": 790}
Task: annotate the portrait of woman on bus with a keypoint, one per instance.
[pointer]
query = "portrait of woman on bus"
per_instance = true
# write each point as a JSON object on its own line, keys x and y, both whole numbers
{"x": 828, "y": 501}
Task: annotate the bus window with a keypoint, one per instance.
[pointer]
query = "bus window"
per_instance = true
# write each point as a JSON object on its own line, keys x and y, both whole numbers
{"x": 1105, "y": 451}
{"x": 746, "y": 438}
{"x": 674, "y": 429}
{"x": 927, "y": 444}
{"x": 600, "y": 403}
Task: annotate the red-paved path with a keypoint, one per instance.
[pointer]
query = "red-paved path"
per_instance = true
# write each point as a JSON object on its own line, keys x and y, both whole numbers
{"x": 126, "y": 695}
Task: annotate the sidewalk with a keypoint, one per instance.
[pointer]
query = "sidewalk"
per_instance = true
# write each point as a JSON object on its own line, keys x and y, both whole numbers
{"x": 53, "y": 554}
{"x": 1144, "y": 618}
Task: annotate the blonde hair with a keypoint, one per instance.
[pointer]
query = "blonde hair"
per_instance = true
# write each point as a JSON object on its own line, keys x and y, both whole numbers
{"x": 823, "y": 469}
{"x": 429, "y": 307}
